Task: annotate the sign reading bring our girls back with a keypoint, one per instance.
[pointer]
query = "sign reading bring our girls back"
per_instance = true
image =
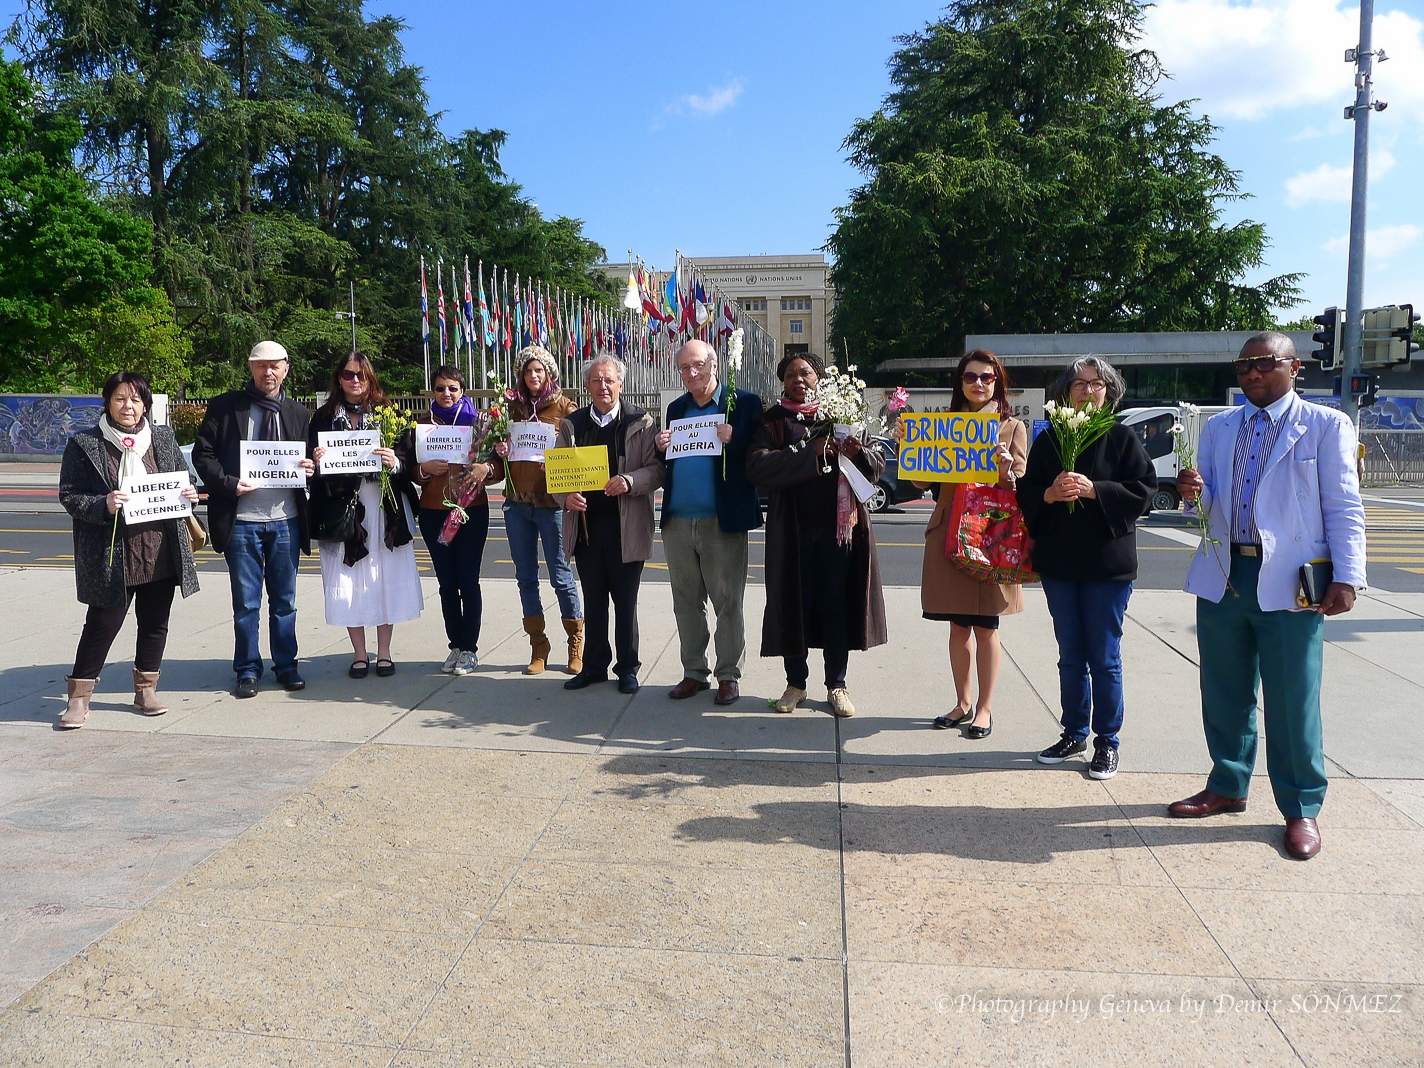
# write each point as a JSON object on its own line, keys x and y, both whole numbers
{"x": 949, "y": 447}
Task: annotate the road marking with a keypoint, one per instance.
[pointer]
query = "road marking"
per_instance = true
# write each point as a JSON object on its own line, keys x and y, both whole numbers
{"x": 1181, "y": 537}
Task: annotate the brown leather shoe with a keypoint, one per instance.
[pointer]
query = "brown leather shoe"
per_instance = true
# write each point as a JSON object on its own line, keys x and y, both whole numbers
{"x": 728, "y": 692}
{"x": 687, "y": 687}
{"x": 1302, "y": 837}
{"x": 1205, "y": 803}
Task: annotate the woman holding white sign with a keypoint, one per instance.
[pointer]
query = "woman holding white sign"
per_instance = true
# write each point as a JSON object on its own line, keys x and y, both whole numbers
{"x": 367, "y": 552}
{"x": 531, "y": 515}
{"x": 972, "y": 606}
{"x": 455, "y": 554}
{"x": 118, "y": 563}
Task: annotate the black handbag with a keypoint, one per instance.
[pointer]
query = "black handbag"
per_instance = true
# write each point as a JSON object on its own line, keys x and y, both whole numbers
{"x": 335, "y": 518}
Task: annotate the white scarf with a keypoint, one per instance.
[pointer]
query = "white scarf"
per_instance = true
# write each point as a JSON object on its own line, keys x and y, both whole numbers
{"x": 132, "y": 446}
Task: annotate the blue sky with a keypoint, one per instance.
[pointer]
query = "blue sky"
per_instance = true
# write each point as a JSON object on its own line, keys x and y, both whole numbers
{"x": 718, "y": 130}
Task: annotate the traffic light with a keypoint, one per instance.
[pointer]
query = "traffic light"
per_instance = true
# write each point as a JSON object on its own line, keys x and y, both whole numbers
{"x": 1364, "y": 387}
{"x": 1327, "y": 338}
{"x": 1387, "y": 336}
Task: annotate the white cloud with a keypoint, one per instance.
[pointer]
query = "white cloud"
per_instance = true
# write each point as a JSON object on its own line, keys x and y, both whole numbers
{"x": 715, "y": 100}
{"x": 1248, "y": 58}
{"x": 1381, "y": 245}
{"x": 1332, "y": 184}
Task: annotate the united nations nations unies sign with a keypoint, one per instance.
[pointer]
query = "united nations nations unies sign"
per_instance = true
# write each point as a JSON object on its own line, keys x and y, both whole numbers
{"x": 950, "y": 447}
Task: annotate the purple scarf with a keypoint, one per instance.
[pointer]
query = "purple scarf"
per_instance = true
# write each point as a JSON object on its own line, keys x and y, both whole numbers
{"x": 461, "y": 413}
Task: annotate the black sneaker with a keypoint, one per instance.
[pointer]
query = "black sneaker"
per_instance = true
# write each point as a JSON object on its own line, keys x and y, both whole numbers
{"x": 246, "y": 687}
{"x": 1062, "y": 749}
{"x": 1104, "y": 765}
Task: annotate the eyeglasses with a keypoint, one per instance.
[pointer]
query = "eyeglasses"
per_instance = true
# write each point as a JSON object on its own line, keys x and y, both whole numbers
{"x": 1262, "y": 364}
{"x": 609, "y": 382}
{"x": 695, "y": 368}
{"x": 969, "y": 378}
{"x": 1083, "y": 385}
{"x": 351, "y": 376}
{"x": 442, "y": 389}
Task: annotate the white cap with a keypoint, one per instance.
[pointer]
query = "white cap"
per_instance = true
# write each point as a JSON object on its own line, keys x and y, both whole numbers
{"x": 266, "y": 350}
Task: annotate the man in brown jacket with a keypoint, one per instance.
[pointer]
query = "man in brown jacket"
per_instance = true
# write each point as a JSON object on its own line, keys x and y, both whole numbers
{"x": 610, "y": 531}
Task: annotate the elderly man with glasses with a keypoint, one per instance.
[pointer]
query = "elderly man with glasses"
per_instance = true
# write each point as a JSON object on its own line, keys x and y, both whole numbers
{"x": 708, "y": 507}
{"x": 609, "y": 532}
{"x": 1278, "y": 481}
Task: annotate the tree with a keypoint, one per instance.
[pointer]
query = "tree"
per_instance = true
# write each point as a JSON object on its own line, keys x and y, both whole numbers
{"x": 75, "y": 298}
{"x": 1023, "y": 176}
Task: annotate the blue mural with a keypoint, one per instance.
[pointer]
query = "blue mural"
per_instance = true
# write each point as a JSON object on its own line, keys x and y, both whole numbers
{"x": 42, "y": 424}
{"x": 1388, "y": 413}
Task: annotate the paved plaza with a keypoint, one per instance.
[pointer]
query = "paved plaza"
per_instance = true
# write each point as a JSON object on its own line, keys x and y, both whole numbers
{"x": 427, "y": 871}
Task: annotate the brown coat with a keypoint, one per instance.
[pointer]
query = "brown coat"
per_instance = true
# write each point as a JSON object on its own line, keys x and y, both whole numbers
{"x": 773, "y": 463}
{"x": 526, "y": 477}
{"x": 642, "y": 465}
{"x": 435, "y": 490}
{"x": 945, "y": 590}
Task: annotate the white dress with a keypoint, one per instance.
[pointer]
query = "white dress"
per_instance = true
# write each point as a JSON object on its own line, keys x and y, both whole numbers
{"x": 384, "y": 585}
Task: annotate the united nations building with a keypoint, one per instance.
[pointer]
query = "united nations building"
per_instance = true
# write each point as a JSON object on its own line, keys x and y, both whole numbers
{"x": 789, "y": 296}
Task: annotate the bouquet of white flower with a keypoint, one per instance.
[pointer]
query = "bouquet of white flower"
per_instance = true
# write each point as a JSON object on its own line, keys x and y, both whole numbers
{"x": 840, "y": 399}
{"x": 1074, "y": 429}
{"x": 734, "y": 364}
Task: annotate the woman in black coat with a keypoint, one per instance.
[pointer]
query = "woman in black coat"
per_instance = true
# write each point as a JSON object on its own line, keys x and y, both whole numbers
{"x": 116, "y": 565}
{"x": 1087, "y": 558}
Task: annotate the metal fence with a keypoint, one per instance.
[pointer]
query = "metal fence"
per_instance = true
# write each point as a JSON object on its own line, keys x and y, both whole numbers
{"x": 1393, "y": 457}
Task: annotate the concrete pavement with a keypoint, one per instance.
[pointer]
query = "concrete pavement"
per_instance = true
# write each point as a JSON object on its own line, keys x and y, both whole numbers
{"x": 428, "y": 871}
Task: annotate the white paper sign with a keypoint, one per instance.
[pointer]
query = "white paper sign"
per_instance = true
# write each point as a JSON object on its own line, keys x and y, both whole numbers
{"x": 274, "y": 464}
{"x": 349, "y": 452}
{"x": 528, "y": 440}
{"x": 859, "y": 484}
{"x": 696, "y": 436}
{"x": 448, "y": 443}
{"x": 155, "y": 497}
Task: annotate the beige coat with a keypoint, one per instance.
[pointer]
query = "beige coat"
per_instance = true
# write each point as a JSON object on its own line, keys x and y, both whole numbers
{"x": 945, "y": 590}
{"x": 642, "y": 466}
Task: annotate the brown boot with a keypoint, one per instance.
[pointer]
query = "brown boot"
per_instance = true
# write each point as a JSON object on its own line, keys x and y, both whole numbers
{"x": 146, "y": 693}
{"x": 574, "y": 629}
{"x": 539, "y": 647}
{"x": 77, "y": 712}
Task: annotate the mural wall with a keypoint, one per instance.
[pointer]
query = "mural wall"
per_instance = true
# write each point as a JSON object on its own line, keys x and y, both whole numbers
{"x": 41, "y": 424}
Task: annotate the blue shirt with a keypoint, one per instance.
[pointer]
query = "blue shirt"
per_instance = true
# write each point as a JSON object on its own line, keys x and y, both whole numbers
{"x": 1260, "y": 427}
{"x": 694, "y": 492}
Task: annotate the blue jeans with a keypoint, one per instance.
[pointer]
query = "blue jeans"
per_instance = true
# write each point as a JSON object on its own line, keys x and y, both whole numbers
{"x": 1087, "y": 621}
{"x": 457, "y": 567}
{"x": 258, "y": 551}
{"x": 526, "y": 525}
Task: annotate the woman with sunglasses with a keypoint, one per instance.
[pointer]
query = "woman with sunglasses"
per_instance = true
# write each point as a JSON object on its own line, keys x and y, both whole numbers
{"x": 370, "y": 578}
{"x": 972, "y": 607}
{"x": 1086, "y": 555}
{"x": 457, "y": 565}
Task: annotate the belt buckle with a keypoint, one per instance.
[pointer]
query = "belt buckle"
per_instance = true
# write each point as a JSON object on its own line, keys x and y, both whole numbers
{"x": 1249, "y": 550}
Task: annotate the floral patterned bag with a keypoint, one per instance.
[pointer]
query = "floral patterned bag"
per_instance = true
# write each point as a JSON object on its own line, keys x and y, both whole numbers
{"x": 987, "y": 536}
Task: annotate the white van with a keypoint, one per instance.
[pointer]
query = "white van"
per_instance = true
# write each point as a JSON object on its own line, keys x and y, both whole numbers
{"x": 1154, "y": 430}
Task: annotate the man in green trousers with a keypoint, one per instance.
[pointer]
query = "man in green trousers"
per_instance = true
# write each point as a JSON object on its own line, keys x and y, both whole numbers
{"x": 1277, "y": 479}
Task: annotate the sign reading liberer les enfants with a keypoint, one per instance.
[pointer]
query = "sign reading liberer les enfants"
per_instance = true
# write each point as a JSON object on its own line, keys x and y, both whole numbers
{"x": 448, "y": 443}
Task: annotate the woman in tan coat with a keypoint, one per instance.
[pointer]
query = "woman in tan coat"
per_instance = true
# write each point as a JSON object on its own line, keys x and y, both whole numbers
{"x": 972, "y": 607}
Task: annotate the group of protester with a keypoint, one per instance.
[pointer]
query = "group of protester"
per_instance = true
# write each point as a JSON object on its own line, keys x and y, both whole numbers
{"x": 1276, "y": 476}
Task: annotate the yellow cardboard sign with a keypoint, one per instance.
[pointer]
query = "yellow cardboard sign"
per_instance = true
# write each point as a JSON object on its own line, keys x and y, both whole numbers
{"x": 949, "y": 446}
{"x": 576, "y": 470}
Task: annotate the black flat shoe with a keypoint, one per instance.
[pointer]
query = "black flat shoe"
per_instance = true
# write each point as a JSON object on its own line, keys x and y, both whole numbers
{"x": 628, "y": 683}
{"x": 359, "y": 669}
{"x": 944, "y": 723}
{"x": 974, "y": 733}
{"x": 293, "y": 683}
{"x": 579, "y": 681}
{"x": 246, "y": 687}
{"x": 385, "y": 668}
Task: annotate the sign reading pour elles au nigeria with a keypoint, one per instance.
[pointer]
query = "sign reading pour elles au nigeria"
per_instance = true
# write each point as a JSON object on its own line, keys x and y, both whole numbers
{"x": 949, "y": 447}
{"x": 273, "y": 464}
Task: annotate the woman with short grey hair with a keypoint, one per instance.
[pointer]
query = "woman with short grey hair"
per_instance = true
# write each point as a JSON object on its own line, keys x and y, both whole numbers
{"x": 1084, "y": 527}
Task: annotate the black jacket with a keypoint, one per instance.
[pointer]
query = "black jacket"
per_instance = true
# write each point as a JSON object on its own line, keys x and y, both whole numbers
{"x": 1097, "y": 540}
{"x": 335, "y": 491}
{"x": 217, "y": 457}
{"x": 738, "y": 506}
{"x": 83, "y": 485}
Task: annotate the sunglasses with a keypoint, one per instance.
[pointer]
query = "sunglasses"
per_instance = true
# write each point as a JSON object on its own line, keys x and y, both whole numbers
{"x": 1262, "y": 364}
{"x": 351, "y": 376}
{"x": 447, "y": 389}
{"x": 969, "y": 378}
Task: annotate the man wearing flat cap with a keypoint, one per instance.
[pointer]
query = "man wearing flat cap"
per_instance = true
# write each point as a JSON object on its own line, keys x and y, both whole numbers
{"x": 258, "y": 529}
